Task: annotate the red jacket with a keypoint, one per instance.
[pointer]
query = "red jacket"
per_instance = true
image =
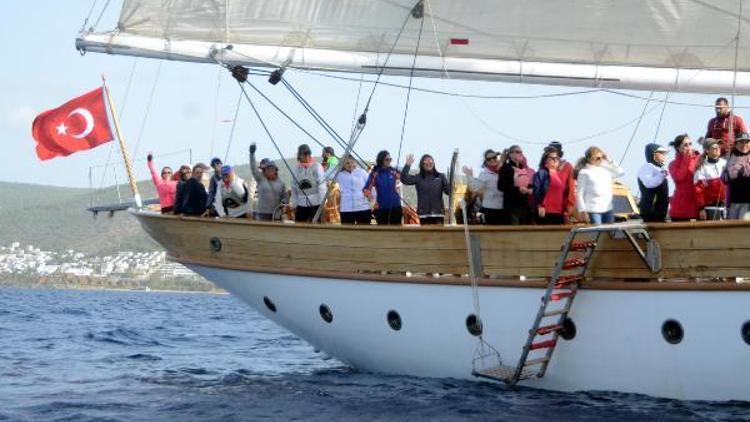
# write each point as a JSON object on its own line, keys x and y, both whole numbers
{"x": 683, "y": 203}
{"x": 569, "y": 198}
{"x": 709, "y": 189}
{"x": 718, "y": 128}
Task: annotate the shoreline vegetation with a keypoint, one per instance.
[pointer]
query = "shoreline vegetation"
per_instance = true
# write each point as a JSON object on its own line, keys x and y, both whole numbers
{"x": 69, "y": 282}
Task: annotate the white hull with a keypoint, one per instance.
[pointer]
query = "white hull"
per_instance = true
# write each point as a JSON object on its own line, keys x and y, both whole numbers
{"x": 618, "y": 346}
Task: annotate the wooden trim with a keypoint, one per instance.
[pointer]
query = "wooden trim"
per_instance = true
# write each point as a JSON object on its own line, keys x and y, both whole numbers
{"x": 484, "y": 282}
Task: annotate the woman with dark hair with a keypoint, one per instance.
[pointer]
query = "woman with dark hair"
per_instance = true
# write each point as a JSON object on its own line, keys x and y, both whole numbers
{"x": 430, "y": 185}
{"x": 486, "y": 187}
{"x": 737, "y": 176}
{"x": 683, "y": 206}
{"x": 385, "y": 180}
{"x": 550, "y": 188}
{"x": 166, "y": 186}
{"x": 515, "y": 182}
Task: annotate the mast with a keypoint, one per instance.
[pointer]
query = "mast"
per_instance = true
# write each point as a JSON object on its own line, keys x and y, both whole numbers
{"x": 123, "y": 146}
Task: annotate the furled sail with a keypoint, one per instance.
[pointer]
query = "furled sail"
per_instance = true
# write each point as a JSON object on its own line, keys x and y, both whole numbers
{"x": 671, "y": 45}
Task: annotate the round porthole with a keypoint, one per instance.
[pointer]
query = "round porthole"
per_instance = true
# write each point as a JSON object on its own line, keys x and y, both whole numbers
{"x": 394, "y": 320}
{"x": 269, "y": 304}
{"x": 325, "y": 313}
{"x": 568, "y": 330}
{"x": 746, "y": 332}
{"x": 215, "y": 244}
{"x": 474, "y": 325}
{"x": 672, "y": 331}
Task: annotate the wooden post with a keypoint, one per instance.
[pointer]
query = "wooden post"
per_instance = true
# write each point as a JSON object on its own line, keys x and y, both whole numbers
{"x": 123, "y": 147}
{"x": 452, "y": 183}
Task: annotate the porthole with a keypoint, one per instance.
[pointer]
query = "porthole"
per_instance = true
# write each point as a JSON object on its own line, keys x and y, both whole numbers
{"x": 672, "y": 331}
{"x": 394, "y": 320}
{"x": 215, "y": 244}
{"x": 474, "y": 325}
{"x": 746, "y": 332}
{"x": 325, "y": 313}
{"x": 269, "y": 304}
{"x": 568, "y": 330}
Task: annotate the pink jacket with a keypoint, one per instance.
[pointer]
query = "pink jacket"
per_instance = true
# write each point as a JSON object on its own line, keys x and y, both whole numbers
{"x": 167, "y": 189}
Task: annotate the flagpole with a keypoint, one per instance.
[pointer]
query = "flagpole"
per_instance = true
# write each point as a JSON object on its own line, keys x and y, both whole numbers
{"x": 123, "y": 147}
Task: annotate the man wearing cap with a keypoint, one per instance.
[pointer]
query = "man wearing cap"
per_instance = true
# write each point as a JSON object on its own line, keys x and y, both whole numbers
{"x": 710, "y": 191}
{"x": 738, "y": 178}
{"x": 308, "y": 187}
{"x": 725, "y": 126}
{"x": 566, "y": 172}
{"x": 654, "y": 185}
{"x": 194, "y": 198}
{"x": 233, "y": 195}
{"x": 272, "y": 192}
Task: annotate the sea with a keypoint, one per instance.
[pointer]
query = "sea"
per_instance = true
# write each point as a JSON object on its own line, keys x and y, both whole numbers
{"x": 73, "y": 355}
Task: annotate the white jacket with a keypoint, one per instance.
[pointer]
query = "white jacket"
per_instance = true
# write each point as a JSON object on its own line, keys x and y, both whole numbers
{"x": 313, "y": 195}
{"x": 651, "y": 175}
{"x": 594, "y": 187}
{"x": 235, "y": 191}
{"x": 486, "y": 184}
{"x": 351, "y": 186}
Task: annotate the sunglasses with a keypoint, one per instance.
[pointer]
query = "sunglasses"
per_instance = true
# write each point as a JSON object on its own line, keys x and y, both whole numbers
{"x": 387, "y": 159}
{"x": 598, "y": 158}
{"x": 553, "y": 158}
{"x": 516, "y": 151}
{"x": 492, "y": 158}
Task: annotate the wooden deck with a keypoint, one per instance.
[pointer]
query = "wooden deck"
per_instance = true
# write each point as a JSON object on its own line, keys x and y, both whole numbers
{"x": 690, "y": 251}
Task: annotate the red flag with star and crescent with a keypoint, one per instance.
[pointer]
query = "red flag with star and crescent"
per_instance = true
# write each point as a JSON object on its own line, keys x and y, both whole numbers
{"x": 77, "y": 125}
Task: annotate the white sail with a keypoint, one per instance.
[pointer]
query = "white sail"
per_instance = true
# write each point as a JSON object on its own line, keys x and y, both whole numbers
{"x": 676, "y": 45}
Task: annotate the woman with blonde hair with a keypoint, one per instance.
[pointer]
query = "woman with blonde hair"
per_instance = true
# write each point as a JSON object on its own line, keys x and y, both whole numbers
{"x": 594, "y": 186}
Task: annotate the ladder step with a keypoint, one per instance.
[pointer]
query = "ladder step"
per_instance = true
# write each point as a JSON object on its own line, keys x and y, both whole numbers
{"x": 564, "y": 280}
{"x": 548, "y": 329}
{"x": 532, "y": 362}
{"x": 583, "y": 245}
{"x": 573, "y": 263}
{"x": 556, "y": 312}
{"x": 561, "y": 295}
{"x": 543, "y": 345}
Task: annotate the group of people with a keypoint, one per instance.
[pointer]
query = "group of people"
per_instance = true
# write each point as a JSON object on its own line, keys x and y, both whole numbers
{"x": 711, "y": 185}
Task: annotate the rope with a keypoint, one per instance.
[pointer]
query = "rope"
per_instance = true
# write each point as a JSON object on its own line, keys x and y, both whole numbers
{"x": 234, "y": 125}
{"x": 635, "y": 129}
{"x": 408, "y": 92}
{"x": 104, "y": 9}
{"x": 86, "y": 21}
{"x": 216, "y": 111}
{"x": 734, "y": 75}
{"x": 661, "y": 116}
{"x": 148, "y": 109}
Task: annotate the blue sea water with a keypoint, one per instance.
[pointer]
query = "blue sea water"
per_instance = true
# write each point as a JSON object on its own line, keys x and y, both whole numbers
{"x": 125, "y": 356}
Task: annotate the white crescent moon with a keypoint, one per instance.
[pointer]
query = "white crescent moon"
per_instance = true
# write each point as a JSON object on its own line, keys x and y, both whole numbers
{"x": 89, "y": 122}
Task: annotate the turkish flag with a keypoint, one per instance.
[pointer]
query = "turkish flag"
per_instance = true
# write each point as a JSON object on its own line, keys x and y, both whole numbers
{"x": 77, "y": 125}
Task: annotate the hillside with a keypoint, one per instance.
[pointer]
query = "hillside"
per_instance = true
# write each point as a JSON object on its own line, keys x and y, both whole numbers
{"x": 55, "y": 218}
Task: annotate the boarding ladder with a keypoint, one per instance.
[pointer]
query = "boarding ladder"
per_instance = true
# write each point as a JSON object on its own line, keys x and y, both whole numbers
{"x": 570, "y": 270}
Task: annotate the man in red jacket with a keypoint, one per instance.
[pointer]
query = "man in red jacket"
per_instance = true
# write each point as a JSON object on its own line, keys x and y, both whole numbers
{"x": 725, "y": 126}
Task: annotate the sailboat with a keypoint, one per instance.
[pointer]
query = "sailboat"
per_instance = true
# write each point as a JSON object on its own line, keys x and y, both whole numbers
{"x": 658, "y": 309}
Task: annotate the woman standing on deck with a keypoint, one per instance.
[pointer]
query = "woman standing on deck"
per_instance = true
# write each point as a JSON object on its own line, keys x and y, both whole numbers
{"x": 355, "y": 208}
{"x": 737, "y": 176}
{"x": 385, "y": 179}
{"x": 515, "y": 183}
{"x": 549, "y": 189}
{"x": 430, "y": 185}
{"x": 594, "y": 187}
{"x": 308, "y": 188}
{"x": 166, "y": 186}
{"x": 683, "y": 206}
{"x": 486, "y": 186}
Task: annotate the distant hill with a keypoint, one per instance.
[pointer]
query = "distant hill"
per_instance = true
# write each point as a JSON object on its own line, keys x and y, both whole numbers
{"x": 55, "y": 218}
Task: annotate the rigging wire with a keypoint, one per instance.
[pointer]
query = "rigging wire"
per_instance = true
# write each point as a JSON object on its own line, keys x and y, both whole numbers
{"x": 86, "y": 21}
{"x": 408, "y": 92}
{"x": 216, "y": 111}
{"x": 234, "y": 125}
{"x": 734, "y": 75}
{"x": 104, "y": 9}
{"x": 148, "y": 109}
{"x": 661, "y": 115}
{"x": 637, "y": 126}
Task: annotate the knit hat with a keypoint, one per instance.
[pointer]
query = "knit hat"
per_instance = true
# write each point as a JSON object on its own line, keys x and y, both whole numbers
{"x": 709, "y": 142}
{"x": 265, "y": 163}
{"x": 215, "y": 161}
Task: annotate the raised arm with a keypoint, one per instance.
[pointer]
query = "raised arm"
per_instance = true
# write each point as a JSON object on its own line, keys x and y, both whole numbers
{"x": 152, "y": 169}
{"x": 257, "y": 175}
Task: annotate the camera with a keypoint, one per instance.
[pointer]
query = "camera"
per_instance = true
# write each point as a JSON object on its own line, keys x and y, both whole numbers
{"x": 305, "y": 184}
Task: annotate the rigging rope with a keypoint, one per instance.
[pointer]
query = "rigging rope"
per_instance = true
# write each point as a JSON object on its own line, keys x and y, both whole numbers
{"x": 216, "y": 111}
{"x": 635, "y": 129}
{"x": 734, "y": 75}
{"x": 408, "y": 92}
{"x": 234, "y": 125}
{"x": 104, "y": 9}
{"x": 86, "y": 21}
{"x": 148, "y": 109}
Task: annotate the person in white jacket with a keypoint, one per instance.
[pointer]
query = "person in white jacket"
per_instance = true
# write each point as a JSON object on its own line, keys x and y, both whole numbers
{"x": 233, "y": 196}
{"x": 355, "y": 207}
{"x": 308, "y": 186}
{"x": 486, "y": 186}
{"x": 594, "y": 186}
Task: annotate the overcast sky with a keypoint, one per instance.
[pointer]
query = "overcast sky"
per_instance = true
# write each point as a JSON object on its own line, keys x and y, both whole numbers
{"x": 41, "y": 70}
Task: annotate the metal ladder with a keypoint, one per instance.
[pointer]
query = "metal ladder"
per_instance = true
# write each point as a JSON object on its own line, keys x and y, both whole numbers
{"x": 563, "y": 287}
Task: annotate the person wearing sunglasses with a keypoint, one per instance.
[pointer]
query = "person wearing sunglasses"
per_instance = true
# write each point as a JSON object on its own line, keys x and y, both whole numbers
{"x": 515, "y": 182}
{"x": 594, "y": 193}
{"x": 726, "y": 126}
{"x": 166, "y": 186}
{"x": 486, "y": 186}
{"x": 550, "y": 189}
{"x": 737, "y": 176}
{"x": 385, "y": 180}
{"x": 684, "y": 205}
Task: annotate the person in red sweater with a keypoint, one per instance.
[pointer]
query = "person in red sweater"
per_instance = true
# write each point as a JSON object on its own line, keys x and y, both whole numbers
{"x": 725, "y": 126}
{"x": 549, "y": 189}
{"x": 683, "y": 206}
{"x": 710, "y": 191}
{"x": 569, "y": 180}
{"x": 166, "y": 186}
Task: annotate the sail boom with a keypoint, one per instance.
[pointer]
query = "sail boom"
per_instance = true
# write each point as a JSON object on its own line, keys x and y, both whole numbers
{"x": 707, "y": 81}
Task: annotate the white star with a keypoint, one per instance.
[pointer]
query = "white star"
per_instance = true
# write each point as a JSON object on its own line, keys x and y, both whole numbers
{"x": 62, "y": 129}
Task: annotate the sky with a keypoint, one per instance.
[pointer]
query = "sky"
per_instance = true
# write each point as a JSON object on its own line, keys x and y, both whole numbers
{"x": 193, "y": 106}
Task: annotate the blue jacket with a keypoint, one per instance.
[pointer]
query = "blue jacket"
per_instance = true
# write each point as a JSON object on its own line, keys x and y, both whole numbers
{"x": 384, "y": 181}
{"x": 541, "y": 185}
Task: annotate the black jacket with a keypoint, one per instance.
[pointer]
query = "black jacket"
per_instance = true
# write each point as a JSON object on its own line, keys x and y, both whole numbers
{"x": 430, "y": 189}
{"x": 191, "y": 198}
